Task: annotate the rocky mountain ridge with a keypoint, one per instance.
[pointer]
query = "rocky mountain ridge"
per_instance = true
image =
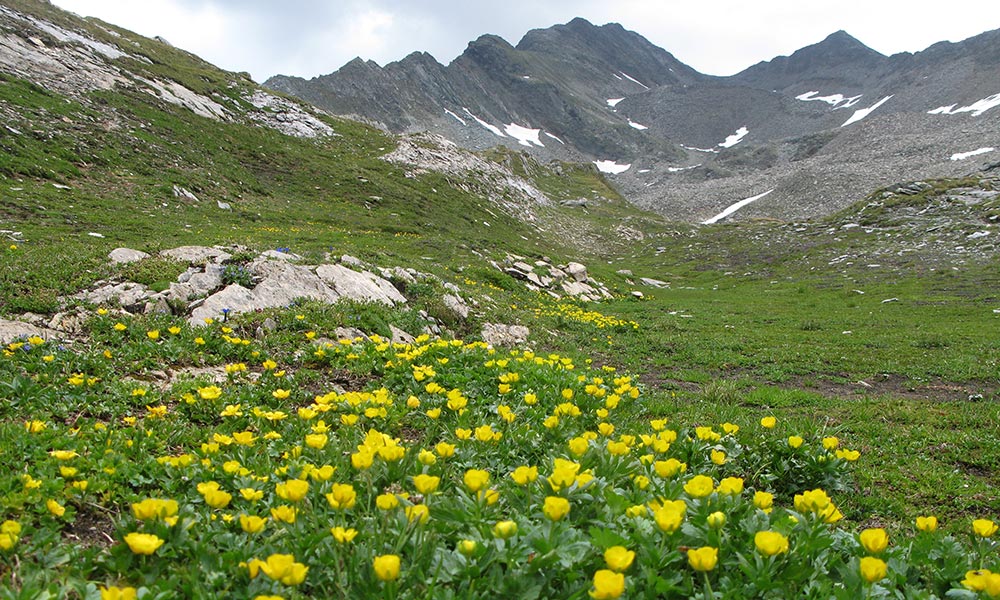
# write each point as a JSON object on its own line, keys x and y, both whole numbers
{"x": 815, "y": 130}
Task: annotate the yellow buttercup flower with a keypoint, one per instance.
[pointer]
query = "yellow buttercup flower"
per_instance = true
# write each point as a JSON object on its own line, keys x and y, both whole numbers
{"x": 768, "y": 422}
{"x": 716, "y": 520}
{"x": 342, "y": 535}
{"x": 468, "y": 547}
{"x": 703, "y": 559}
{"x": 874, "y": 540}
{"x": 608, "y": 585}
{"x": 795, "y": 441}
{"x": 873, "y": 569}
{"x": 386, "y": 567}
{"x": 699, "y": 486}
{"x": 426, "y": 484}
{"x": 283, "y": 568}
{"x": 476, "y": 479}
{"x": 732, "y": 486}
{"x": 252, "y": 524}
{"x": 555, "y": 507}
{"x": 618, "y": 558}
{"x": 292, "y": 490}
{"x": 927, "y": 523}
{"x": 55, "y": 508}
{"x": 118, "y": 593}
{"x": 386, "y": 501}
{"x": 524, "y": 475}
{"x": 764, "y": 501}
{"x": 143, "y": 543}
{"x": 984, "y": 528}
{"x": 342, "y": 496}
{"x": 419, "y": 513}
{"x": 505, "y": 529}
{"x": 284, "y": 513}
{"x": 151, "y": 509}
{"x": 770, "y": 543}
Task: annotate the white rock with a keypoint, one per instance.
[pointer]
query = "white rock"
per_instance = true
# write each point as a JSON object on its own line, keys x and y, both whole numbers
{"x": 13, "y": 330}
{"x": 363, "y": 286}
{"x": 499, "y": 334}
{"x": 234, "y": 298}
{"x": 196, "y": 254}
{"x": 121, "y": 256}
{"x": 577, "y": 271}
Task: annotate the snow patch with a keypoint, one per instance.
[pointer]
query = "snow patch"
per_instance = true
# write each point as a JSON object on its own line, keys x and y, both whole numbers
{"x": 833, "y": 99}
{"x": 713, "y": 150}
{"x": 493, "y": 128}
{"x": 965, "y": 155}
{"x": 617, "y": 76}
{"x": 635, "y": 125}
{"x": 554, "y": 137}
{"x": 736, "y": 138}
{"x": 458, "y": 118}
{"x": 864, "y": 112}
{"x": 633, "y": 79}
{"x": 524, "y": 135}
{"x": 976, "y": 108}
{"x": 610, "y": 166}
{"x": 613, "y": 102}
{"x": 735, "y": 207}
{"x": 645, "y": 170}
{"x": 678, "y": 169}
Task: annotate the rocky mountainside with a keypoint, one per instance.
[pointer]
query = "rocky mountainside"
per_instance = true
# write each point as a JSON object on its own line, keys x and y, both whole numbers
{"x": 814, "y": 131}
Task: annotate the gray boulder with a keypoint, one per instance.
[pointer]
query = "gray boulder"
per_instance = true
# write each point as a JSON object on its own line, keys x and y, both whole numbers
{"x": 121, "y": 256}
{"x": 362, "y": 286}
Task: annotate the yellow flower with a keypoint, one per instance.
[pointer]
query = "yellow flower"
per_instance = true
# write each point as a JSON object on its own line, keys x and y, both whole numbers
{"x": 848, "y": 455}
{"x": 283, "y": 568}
{"x": 874, "y": 540}
{"x": 34, "y": 426}
{"x": 343, "y": 536}
{"x": 418, "y": 512}
{"x": 608, "y": 585}
{"x": 468, "y": 547}
{"x": 217, "y": 498}
{"x": 555, "y": 507}
{"x": 211, "y": 392}
{"x": 716, "y": 520}
{"x": 292, "y": 490}
{"x": 795, "y": 441}
{"x": 669, "y": 468}
{"x": 151, "y": 509}
{"x": 284, "y": 513}
{"x": 718, "y": 457}
{"x": 768, "y": 422}
{"x": 764, "y": 501}
{"x": 342, "y": 496}
{"x": 281, "y": 394}
{"x": 153, "y": 334}
{"x": 426, "y": 484}
{"x": 244, "y": 438}
{"x": 63, "y": 454}
{"x": 982, "y": 580}
{"x": 669, "y": 517}
{"x": 118, "y": 593}
{"x": 10, "y": 533}
{"x": 143, "y": 543}
{"x": 831, "y": 443}
{"x": 386, "y": 501}
{"x": 476, "y": 479}
{"x": 873, "y": 569}
{"x": 386, "y": 567}
{"x": 770, "y": 543}
{"x": 732, "y": 486}
{"x": 618, "y": 558}
{"x": 984, "y": 528}
{"x": 252, "y": 524}
{"x": 703, "y": 559}
{"x": 927, "y": 523}
{"x": 55, "y": 508}
{"x": 699, "y": 486}
{"x": 505, "y": 529}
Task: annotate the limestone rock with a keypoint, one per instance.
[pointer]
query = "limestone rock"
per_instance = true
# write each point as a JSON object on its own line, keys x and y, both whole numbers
{"x": 456, "y": 305}
{"x": 654, "y": 282}
{"x": 196, "y": 255}
{"x": 288, "y": 283}
{"x": 125, "y": 294}
{"x": 349, "y": 333}
{"x": 14, "y": 330}
{"x": 362, "y": 286}
{"x": 501, "y": 335}
{"x": 399, "y": 336}
{"x": 234, "y": 298}
{"x": 121, "y": 256}
{"x": 577, "y": 271}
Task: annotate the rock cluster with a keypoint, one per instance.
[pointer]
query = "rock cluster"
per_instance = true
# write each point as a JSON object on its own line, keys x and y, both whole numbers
{"x": 214, "y": 286}
{"x": 570, "y": 279}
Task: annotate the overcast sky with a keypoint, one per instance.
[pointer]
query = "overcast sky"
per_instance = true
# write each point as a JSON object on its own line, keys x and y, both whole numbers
{"x": 717, "y": 37}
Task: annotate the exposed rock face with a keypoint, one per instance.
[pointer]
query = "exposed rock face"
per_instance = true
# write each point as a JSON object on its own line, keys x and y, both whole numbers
{"x": 817, "y": 129}
{"x": 570, "y": 279}
{"x": 11, "y": 331}
{"x": 76, "y": 57}
{"x": 364, "y": 286}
